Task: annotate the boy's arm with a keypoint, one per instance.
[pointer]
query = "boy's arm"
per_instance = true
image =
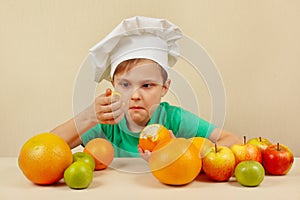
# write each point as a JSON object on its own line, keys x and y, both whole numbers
{"x": 225, "y": 138}
{"x": 72, "y": 130}
{"x": 105, "y": 110}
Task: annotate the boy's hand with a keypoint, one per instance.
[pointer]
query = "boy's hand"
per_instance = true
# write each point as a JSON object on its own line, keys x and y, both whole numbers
{"x": 144, "y": 154}
{"x": 108, "y": 108}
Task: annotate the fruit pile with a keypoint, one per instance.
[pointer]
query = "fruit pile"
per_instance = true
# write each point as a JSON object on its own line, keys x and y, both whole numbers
{"x": 46, "y": 158}
{"x": 178, "y": 161}
{"x": 258, "y": 157}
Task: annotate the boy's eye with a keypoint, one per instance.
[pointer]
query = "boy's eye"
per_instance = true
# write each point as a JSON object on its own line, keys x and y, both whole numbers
{"x": 147, "y": 85}
{"x": 124, "y": 84}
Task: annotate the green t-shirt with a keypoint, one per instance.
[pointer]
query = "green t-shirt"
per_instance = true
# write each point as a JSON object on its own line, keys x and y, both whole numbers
{"x": 183, "y": 124}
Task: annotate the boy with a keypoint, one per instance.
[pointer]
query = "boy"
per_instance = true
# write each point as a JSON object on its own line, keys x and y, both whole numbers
{"x": 136, "y": 57}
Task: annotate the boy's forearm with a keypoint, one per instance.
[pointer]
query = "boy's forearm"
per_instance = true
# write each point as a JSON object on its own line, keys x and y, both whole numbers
{"x": 72, "y": 130}
{"x": 68, "y": 132}
{"x": 224, "y": 138}
{"x": 85, "y": 120}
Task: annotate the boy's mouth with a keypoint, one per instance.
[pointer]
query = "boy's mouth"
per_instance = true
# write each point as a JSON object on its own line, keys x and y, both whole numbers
{"x": 136, "y": 108}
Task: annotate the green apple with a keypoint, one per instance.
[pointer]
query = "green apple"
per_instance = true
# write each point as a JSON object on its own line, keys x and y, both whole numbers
{"x": 260, "y": 142}
{"x": 219, "y": 163}
{"x": 84, "y": 157}
{"x": 249, "y": 173}
{"x": 78, "y": 175}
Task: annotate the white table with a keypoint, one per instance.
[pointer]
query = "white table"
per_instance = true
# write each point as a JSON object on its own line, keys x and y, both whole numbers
{"x": 129, "y": 178}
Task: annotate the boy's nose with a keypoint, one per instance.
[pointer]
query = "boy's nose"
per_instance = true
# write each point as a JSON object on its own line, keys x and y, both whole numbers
{"x": 135, "y": 95}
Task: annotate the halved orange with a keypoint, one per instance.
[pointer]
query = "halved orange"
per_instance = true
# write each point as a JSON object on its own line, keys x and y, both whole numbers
{"x": 101, "y": 150}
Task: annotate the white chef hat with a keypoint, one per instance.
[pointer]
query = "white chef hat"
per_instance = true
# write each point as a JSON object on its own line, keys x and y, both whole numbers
{"x": 136, "y": 37}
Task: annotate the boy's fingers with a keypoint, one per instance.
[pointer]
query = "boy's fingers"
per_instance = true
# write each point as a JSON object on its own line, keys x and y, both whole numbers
{"x": 172, "y": 134}
{"x": 110, "y": 116}
{"x": 147, "y": 153}
{"x": 144, "y": 154}
{"x": 140, "y": 150}
{"x": 111, "y": 108}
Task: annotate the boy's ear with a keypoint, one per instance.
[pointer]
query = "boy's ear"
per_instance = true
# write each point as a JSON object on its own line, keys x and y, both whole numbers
{"x": 166, "y": 87}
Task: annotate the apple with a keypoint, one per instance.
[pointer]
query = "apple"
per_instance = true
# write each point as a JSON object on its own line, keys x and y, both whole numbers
{"x": 249, "y": 173}
{"x": 278, "y": 159}
{"x": 219, "y": 163}
{"x": 246, "y": 151}
{"x": 78, "y": 175}
{"x": 84, "y": 157}
{"x": 262, "y": 143}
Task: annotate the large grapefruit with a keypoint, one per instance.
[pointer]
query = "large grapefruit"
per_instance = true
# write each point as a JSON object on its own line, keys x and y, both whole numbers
{"x": 44, "y": 158}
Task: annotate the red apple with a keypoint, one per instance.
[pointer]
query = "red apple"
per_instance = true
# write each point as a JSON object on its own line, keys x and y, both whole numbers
{"x": 219, "y": 163}
{"x": 262, "y": 143}
{"x": 246, "y": 151}
{"x": 278, "y": 159}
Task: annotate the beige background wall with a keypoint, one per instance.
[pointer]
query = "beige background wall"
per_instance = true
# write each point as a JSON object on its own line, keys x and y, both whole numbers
{"x": 254, "y": 44}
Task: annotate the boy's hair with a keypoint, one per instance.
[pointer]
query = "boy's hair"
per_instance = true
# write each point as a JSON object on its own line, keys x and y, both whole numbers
{"x": 126, "y": 65}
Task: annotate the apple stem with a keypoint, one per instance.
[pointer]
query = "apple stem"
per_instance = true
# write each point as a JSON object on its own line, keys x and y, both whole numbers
{"x": 245, "y": 139}
{"x": 216, "y": 150}
{"x": 278, "y": 147}
{"x": 260, "y": 139}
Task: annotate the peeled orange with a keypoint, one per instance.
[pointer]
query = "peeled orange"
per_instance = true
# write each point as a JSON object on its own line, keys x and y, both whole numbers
{"x": 153, "y": 134}
{"x": 101, "y": 150}
{"x": 44, "y": 158}
{"x": 175, "y": 162}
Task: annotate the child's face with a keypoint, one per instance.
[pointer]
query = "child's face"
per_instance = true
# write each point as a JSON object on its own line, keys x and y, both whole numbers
{"x": 142, "y": 88}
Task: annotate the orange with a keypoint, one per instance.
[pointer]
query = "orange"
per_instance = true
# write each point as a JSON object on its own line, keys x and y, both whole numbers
{"x": 101, "y": 150}
{"x": 153, "y": 134}
{"x": 202, "y": 144}
{"x": 175, "y": 162}
{"x": 44, "y": 158}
